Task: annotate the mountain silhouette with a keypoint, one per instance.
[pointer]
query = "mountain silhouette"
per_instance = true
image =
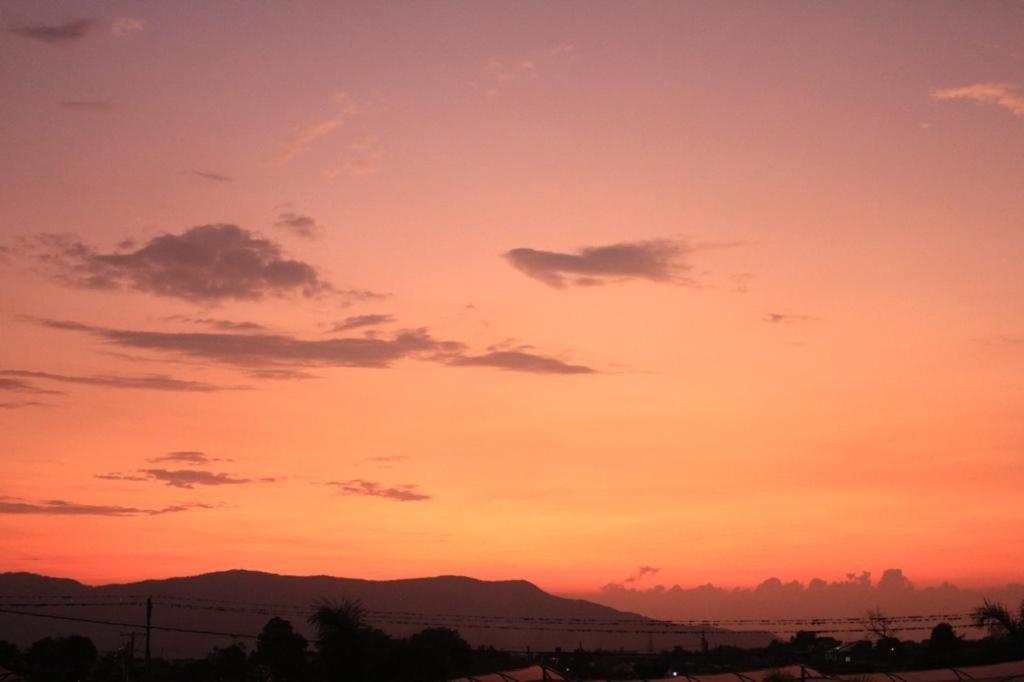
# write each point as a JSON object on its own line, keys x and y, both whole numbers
{"x": 507, "y": 614}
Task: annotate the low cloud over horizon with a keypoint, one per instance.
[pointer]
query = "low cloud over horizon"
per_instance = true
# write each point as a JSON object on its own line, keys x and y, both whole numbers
{"x": 893, "y": 593}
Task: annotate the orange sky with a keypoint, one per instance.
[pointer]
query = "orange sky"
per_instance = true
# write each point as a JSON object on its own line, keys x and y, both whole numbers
{"x": 547, "y": 291}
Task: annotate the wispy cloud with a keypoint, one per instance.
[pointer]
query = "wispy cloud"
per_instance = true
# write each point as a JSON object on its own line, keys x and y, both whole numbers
{"x": 302, "y": 138}
{"x": 216, "y": 323}
{"x": 399, "y": 493}
{"x": 658, "y": 260}
{"x": 88, "y": 104}
{"x": 12, "y": 505}
{"x": 187, "y": 456}
{"x": 788, "y": 318}
{"x": 367, "y": 157}
{"x": 210, "y": 175}
{"x": 19, "y": 386}
{"x": 299, "y": 225}
{"x": 1006, "y": 95}
{"x": 279, "y": 374}
{"x": 126, "y": 26}
{"x": 20, "y": 404}
{"x": 357, "y": 321}
{"x": 349, "y": 297}
{"x": 154, "y": 382}
{"x": 641, "y": 573}
{"x": 66, "y": 33}
{"x": 209, "y": 263}
{"x": 387, "y": 460}
{"x": 497, "y": 74}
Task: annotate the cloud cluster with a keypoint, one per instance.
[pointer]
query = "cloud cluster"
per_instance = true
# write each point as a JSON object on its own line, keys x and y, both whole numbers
{"x": 299, "y": 225}
{"x": 209, "y": 263}
{"x": 399, "y": 493}
{"x": 189, "y": 478}
{"x": 11, "y": 505}
{"x": 659, "y": 260}
{"x": 1009, "y": 96}
{"x": 56, "y": 34}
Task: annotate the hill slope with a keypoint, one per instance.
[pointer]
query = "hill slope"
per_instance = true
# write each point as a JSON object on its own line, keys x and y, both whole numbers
{"x": 512, "y": 614}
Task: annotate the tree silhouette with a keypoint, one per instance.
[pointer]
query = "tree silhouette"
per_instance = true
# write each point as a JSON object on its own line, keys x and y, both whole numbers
{"x": 61, "y": 659}
{"x": 879, "y": 624}
{"x": 282, "y": 651}
{"x": 439, "y": 653}
{"x": 10, "y": 657}
{"x": 998, "y": 619}
{"x": 346, "y": 644}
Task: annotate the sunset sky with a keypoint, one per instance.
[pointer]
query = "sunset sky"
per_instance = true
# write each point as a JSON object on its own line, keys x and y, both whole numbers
{"x": 513, "y": 290}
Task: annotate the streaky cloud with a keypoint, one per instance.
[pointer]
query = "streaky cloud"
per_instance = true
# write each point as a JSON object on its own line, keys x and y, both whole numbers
{"x": 88, "y": 104}
{"x": 255, "y": 350}
{"x": 358, "y": 321}
{"x": 520, "y": 361}
{"x": 189, "y": 456}
{"x": 9, "y": 505}
{"x": 153, "y": 382}
{"x": 66, "y": 33}
{"x": 19, "y": 386}
{"x": 211, "y": 176}
{"x": 659, "y": 260}
{"x": 215, "y": 323}
{"x": 787, "y": 318}
{"x": 21, "y": 404}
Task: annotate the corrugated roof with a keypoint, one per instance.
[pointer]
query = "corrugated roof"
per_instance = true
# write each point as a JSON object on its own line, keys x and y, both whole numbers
{"x": 534, "y": 673}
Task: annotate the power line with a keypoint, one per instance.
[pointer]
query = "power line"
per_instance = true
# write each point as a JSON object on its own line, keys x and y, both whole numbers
{"x": 138, "y": 626}
{"x": 293, "y": 607}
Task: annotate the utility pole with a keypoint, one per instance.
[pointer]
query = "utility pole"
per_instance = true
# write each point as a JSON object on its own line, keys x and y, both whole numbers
{"x": 149, "y": 626}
